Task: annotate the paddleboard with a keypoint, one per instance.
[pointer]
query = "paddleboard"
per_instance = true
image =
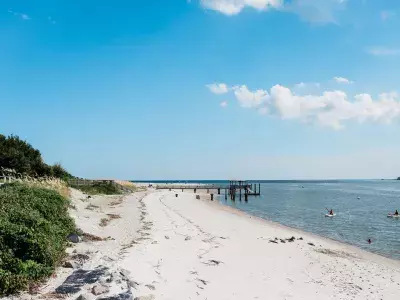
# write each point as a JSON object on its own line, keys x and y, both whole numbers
{"x": 330, "y": 216}
{"x": 393, "y": 216}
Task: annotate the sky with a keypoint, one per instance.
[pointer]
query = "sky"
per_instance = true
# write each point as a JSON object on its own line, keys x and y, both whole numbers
{"x": 205, "y": 89}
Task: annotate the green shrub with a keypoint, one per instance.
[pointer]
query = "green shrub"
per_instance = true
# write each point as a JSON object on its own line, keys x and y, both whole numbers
{"x": 34, "y": 224}
{"x": 20, "y": 156}
{"x": 97, "y": 188}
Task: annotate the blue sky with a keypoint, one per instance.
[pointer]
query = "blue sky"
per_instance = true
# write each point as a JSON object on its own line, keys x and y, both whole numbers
{"x": 218, "y": 89}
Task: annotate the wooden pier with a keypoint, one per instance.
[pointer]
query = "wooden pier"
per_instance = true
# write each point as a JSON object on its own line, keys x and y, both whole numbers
{"x": 233, "y": 189}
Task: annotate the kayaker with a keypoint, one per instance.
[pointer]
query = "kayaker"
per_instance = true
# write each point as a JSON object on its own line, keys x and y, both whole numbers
{"x": 396, "y": 213}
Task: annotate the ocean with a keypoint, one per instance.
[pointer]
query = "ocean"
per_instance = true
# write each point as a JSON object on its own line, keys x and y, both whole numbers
{"x": 361, "y": 208}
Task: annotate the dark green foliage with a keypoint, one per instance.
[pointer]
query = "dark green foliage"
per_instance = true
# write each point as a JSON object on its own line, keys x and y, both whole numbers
{"x": 34, "y": 224}
{"x": 20, "y": 156}
{"x": 58, "y": 171}
{"x": 104, "y": 188}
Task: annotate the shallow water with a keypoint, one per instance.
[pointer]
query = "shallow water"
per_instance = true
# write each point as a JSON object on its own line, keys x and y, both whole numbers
{"x": 361, "y": 208}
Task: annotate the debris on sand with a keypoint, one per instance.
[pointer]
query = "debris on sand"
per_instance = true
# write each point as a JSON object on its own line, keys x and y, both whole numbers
{"x": 90, "y": 237}
{"x": 150, "y": 287}
{"x": 213, "y": 262}
{"x": 202, "y": 281}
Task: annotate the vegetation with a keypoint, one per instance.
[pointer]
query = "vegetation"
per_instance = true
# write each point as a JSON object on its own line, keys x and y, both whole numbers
{"x": 96, "y": 188}
{"x": 34, "y": 224}
{"x": 21, "y": 157}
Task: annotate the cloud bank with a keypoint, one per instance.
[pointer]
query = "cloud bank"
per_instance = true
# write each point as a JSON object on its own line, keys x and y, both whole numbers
{"x": 234, "y": 7}
{"x": 316, "y": 11}
{"x": 330, "y": 109}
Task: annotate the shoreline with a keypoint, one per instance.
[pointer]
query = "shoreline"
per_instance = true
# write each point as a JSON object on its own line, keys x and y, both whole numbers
{"x": 219, "y": 200}
{"x": 355, "y": 248}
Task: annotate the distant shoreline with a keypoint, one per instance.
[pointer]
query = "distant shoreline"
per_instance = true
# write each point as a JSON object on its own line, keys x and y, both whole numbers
{"x": 262, "y": 181}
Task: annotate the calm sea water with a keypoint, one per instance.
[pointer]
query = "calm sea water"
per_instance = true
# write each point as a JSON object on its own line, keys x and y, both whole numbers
{"x": 361, "y": 208}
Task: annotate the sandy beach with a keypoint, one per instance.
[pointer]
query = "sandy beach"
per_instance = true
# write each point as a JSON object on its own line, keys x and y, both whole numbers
{"x": 159, "y": 246}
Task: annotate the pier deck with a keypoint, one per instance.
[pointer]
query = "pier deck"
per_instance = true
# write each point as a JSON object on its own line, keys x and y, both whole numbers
{"x": 234, "y": 187}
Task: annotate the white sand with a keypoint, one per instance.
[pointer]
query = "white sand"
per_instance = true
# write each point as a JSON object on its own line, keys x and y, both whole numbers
{"x": 195, "y": 249}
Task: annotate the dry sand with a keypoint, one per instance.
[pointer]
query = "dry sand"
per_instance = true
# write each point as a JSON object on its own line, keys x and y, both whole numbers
{"x": 179, "y": 248}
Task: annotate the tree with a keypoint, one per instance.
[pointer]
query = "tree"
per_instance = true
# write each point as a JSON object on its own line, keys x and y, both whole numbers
{"x": 20, "y": 156}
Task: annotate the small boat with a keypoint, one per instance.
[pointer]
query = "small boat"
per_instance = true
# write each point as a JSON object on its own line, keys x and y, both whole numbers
{"x": 329, "y": 215}
{"x": 393, "y": 216}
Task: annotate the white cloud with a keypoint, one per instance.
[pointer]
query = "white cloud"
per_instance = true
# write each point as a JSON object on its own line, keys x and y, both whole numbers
{"x": 223, "y": 104}
{"x": 342, "y": 80}
{"x": 330, "y": 109}
{"x": 333, "y": 108}
{"x": 250, "y": 99}
{"x": 300, "y": 85}
{"x": 20, "y": 15}
{"x": 306, "y": 85}
{"x": 218, "y": 88}
{"x": 233, "y": 7}
{"x": 382, "y": 51}
{"x": 316, "y": 11}
{"x": 387, "y": 14}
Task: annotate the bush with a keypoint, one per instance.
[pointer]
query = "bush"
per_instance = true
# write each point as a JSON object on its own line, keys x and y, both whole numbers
{"x": 34, "y": 225}
{"x": 103, "y": 188}
{"x": 20, "y": 156}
